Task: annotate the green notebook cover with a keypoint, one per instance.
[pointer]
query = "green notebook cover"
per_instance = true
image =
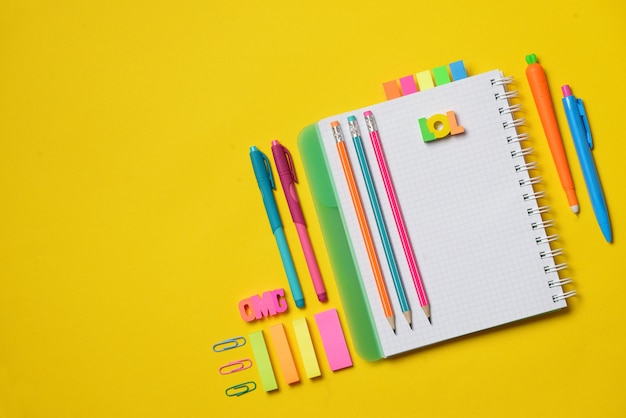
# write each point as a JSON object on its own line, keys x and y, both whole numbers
{"x": 353, "y": 298}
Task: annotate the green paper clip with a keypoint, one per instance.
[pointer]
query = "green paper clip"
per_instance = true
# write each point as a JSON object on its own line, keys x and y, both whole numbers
{"x": 240, "y": 389}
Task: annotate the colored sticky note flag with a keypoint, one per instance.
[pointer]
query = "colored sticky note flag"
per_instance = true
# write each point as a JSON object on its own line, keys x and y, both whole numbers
{"x": 441, "y": 75}
{"x": 307, "y": 351}
{"x": 424, "y": 80}
{"x": 392, "y": 90}
{"x": 333, "y": 340}
{"x": 407, "y": 84}
{"x": 262, "y": 357}
{"x": 283, "y": 352}
{"x": 458, "y": 70}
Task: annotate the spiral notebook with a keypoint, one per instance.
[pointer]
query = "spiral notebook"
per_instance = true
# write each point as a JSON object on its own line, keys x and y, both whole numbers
{"x": 471, "y": 201}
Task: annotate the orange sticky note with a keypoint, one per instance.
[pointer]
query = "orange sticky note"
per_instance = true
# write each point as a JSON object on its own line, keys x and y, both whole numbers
{"x": 392, "y": 90}
{"x": 283, "y": 352}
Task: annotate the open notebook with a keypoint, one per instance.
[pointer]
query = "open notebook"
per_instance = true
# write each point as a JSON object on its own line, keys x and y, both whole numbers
{"x": 469, "y": 206}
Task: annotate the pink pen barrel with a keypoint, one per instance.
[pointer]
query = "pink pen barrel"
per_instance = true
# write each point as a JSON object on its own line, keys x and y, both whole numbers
{"x": 311, "y": 262}
{"x": 287, "y": 175}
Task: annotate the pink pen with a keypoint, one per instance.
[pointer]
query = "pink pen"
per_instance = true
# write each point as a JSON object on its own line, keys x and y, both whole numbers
{"x": 287, "y": 174}
{"x": 397, "y": 214}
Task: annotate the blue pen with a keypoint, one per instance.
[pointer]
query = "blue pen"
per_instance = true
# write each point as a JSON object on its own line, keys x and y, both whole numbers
{"x": 265, "y": 179}
{"x": 378, "y": 215}
{"x": 579, "y": 127}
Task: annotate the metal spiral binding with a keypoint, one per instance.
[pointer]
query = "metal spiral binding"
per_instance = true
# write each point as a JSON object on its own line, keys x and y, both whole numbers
{"x": 529, "y": 181}
{"x": 534, "y": 196}
{"x": 522, "y": 152}
{"x": 538, "y": 210}
{"x": 558, "y": 298}
{"x": 543, "y": 224}
{"x": 502, "y": 81}
{"x": 551, "y": 253}
{"x": 511, "y": 109}
{"x": 525, "y": 167}
{"x": 515, "y": 139}
{"x": 507, "y": 95}
{"x": 546, "y": 239}
{"x": 513, "y": 123}
{"x": 555, "y": 268}
{"x": 559, "y": 282}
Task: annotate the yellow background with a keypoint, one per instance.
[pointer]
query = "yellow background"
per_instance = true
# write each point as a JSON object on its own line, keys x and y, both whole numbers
{"x": 131, "y": 224}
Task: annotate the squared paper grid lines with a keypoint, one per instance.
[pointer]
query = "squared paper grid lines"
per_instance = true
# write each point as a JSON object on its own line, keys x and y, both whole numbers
{"x": 462, "y": 204}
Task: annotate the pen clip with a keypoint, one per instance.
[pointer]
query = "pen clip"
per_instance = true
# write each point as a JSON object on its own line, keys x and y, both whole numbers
{"x": 292, "y": 169}
{"x": 268, "y": 170}
{"x": 583, "y": 115}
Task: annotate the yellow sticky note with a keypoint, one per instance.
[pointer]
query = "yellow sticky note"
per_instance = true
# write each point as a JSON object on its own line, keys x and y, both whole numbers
{"x": 424, "y": 80}
{"x": 307, "y": 352}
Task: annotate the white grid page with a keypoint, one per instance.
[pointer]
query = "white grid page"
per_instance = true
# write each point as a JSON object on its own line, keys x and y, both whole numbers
{"x": 462, "y": 204}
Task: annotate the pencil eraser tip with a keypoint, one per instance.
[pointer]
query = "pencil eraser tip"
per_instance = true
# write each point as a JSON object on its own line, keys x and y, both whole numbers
{"x": 575, "y": 209}
{"x": 531, "y": 59}
{"x": 334, "y": 123}
{"x": 300, "y": 303}
{"x": 351, "y": 118}
{"x": 322, "y": 297}
{"x": 275, "y": 142}
{"x": 368, "y": 113}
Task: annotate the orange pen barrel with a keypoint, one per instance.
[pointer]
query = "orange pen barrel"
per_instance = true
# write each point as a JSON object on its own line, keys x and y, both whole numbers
{"x": 543, "y": 101}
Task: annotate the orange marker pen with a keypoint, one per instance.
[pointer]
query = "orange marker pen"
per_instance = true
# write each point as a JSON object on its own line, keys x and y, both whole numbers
{"x": 541, "y": 94}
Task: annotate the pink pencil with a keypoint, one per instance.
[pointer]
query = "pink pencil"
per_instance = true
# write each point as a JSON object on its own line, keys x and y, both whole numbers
{"x": 397, "y": 214}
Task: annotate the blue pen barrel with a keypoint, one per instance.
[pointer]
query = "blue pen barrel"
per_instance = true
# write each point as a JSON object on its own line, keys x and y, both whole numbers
{"x": 270, "y": 206}
{"x": 263, "y": 174}
{"x": 576, "y": 119}
{"x": 290, "y": 268}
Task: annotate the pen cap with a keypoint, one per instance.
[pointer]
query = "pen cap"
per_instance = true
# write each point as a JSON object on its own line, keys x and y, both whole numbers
{"x": 283, "y": 160}
{"x": 263, "y": 173}
{"x": 287, "y": 174}
{"x": 261, "y": 166}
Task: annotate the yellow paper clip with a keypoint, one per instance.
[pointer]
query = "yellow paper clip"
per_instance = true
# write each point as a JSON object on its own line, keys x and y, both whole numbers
{"x": 229, "y": 344}
{"x": 240, "y": 389}
{"x": 236, "y": 366}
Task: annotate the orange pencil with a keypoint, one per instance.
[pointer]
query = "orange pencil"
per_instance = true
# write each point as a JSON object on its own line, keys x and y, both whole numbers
{"x": 365, "y": 231}
{"x": 541, "y": 94}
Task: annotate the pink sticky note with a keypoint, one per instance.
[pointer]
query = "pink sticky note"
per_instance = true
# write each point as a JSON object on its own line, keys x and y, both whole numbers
{"x": 407, "y": 84}
{"x": 333, "y": 340}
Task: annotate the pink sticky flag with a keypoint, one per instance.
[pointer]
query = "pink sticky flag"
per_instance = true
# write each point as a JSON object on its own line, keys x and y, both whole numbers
{"x": 407, "y": 84}
{"x": 333, "y": 340}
